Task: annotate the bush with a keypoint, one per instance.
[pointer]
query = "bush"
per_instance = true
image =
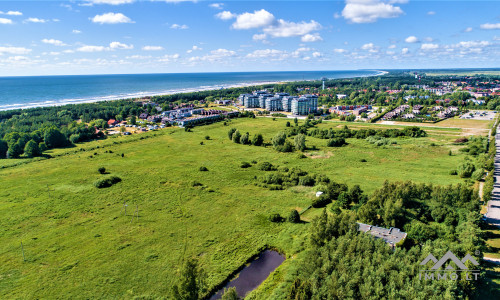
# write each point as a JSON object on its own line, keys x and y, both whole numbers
{"x": 307, "y": 181}
{"x": 275, "y": 218}
{"x": 478, "y": 174}
{"x": 257, "y": 140}
{"x": 266, "y": 166}
{"x": 102, "y": 170}
{"x": 106, "y": 182}
{"x": 336, "y": 142}
{"x": 196, "y": 183}
{"x": 203, "y": 169}
{"x": 294, "y": 216}
{"x": 465, "y": 170}
{"x": 301, "y": 155}
{"x": 245, "y": 165}
{"x": 453, "y": 172}
{"x": 321, "y": 201}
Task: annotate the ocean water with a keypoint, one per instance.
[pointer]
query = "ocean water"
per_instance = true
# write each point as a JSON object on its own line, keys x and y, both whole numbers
{"x": 37, "y": 91}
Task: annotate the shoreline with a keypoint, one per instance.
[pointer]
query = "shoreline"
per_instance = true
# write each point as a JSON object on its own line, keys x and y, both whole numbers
{"x": 138, "y": 95}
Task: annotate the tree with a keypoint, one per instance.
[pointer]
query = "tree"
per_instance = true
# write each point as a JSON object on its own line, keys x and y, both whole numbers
{"x": 237, "y": 137}
{"x": 102, "y": 170}
{"x": 287, "y": 124}
{"x": 465, "y": 170}
{"x": 344, "y": 200}
{"x": 54, "y": 138}
{"x": 300, "y": 142}
{"x": 230, "y": 294}
{"x": 122, "y": 129}
{"x": 355, "y": 193}
{"x": 478, "y": 174}
{"x": 294, "y": 216}
{"x": 279, "y": 139}
{"x": 257, "y": 140}
{"x": 31, "y": 149}
{"x": 15, "y": 150}
{"x": 245, "y": 139}
{"x": 296, "y": 121}
{"x": 230, "y": 133}
{"x": 133, "y": 120}
{"x": 42, "y": 147}
{"x": 4, "y": 147}
{"x": 191, "y": 283}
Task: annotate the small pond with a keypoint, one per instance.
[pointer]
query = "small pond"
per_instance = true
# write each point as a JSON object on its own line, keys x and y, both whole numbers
{"x": 254, "y": 274}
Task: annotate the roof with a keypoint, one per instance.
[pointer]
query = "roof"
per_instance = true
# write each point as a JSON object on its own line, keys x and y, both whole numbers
{"x": 391, "y": 235}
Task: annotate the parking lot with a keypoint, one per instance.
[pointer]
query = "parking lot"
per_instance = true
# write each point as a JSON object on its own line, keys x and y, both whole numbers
{"x": 479, "y": 115}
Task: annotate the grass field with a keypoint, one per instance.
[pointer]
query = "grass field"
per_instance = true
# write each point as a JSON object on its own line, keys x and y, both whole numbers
{"x": 462, "y": 73}
{"x": 78, "y": 242}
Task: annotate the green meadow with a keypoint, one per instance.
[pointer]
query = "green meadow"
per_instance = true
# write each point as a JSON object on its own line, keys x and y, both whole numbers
{"x": 78, "y": 241}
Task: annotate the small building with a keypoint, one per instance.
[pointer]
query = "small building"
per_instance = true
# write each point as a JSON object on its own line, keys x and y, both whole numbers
{"x": 143, "y": 116}
{"x": 392, "y": 236}
{"x": 112, "y": 122}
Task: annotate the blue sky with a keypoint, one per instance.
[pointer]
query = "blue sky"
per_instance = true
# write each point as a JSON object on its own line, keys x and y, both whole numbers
{"x": 165, "y": 36}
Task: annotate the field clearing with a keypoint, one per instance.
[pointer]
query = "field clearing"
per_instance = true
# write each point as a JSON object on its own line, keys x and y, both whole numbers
{"x": 465, "y": 126}
{"x": 79, "y": 243}
{"x": 462, "y": 73}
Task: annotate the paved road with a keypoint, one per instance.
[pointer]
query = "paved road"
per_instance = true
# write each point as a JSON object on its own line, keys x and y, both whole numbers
{"x": 493, "y": 215}
{"x": 492, "y": 260}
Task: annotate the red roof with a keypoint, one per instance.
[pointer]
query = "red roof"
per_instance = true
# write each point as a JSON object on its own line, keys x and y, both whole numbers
{"x": 112, "y": 122}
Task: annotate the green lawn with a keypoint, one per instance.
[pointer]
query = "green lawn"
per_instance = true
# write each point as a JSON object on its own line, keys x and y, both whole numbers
{"x": 77, "y": 243}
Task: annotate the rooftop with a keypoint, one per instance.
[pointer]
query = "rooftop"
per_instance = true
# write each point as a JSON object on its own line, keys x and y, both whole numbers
{"x": 391, "y": 235}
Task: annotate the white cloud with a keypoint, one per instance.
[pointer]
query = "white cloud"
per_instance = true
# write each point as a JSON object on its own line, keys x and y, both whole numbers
{"x": 315, "y": 37}
{"x": 11, "y": 13}
{"x": 53, "y": 42}
{"x": 289, "y": 29}
{"x": 169, "y": 58}
{"x": 405, "y": 51}
{"x": 259, "y": 37}
{"x": 217, "y": 5}
{"x": 111, "y": 18}
{"x": 138, "y": 57}
{"x": 194, "y": 48}
{"x": 338, "y": 50}
{"x": 76, "y": 31}
{"x": 316, "y": 54}
{"x": 215, "y": 55}
{"x": 392, "y": 46}
{"x": 177, "y": 26}
{"x": 35, "y": 20}
{"x": 92, "y": 49}
{"x": 412, "y": 39}
{"x": 369, "y": 11}
{"x": 5, "y": 21}
{"x": 267, "y": 53}
{"x": 468, "y": 29}
{"x": 152, "y": 48}
{"x": 429, "y": 46}
{"x": 118, "y": 45}
{"x": 14, "y": 50}
{"x": 69, "y": 51}
{"x": 260, "y": 18}
{"x": 110, "y": 2}
{"x": 472, "y": 44}
{"x": 490, "y": 26}
{"x": 431, "y": 13}
{"x": 226, "y": 15}
{"x": 368, "y": 46}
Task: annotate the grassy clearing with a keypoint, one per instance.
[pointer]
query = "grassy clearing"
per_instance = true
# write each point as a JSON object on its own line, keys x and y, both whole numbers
{"x": 78, "y": 242}
{"x": 492, "y": 235}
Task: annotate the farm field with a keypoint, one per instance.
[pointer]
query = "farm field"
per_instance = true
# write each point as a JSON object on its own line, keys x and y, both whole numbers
{"x": 78, "y": 241}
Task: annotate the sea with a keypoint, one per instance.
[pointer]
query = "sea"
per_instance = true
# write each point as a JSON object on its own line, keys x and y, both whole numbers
{"x": 40, "y": 91}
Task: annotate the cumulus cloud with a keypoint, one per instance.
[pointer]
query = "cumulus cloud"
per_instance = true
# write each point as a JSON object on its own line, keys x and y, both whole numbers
{"x": 490, "y": 26}
{"x": 259, "y": 37}
{"x": 177, "y": 26}
{"x": 217, "y": 5}
{"x": 5, "y": 21}
{"x": 194, "y": 48}
{"x": 53, "y": 42}
{"x": 226, "y": 15}
{"x": 267, "y": 53}
{"x": 11, "y": 13}
{"x": 316, "y": 54}
{"x": 35, "y": 20}
{"x": 289, "y": 29}
{"x": 76, "y": 31}
{"x": 315, "y": 37}
{"x": 468, "y": 29}
{"x": 92, "y": 49}
{"x": 111, "y": 18}
{"x": 405, "y": 51}
{"x": 169, "y": 57}
{"x": 215, "y": 55}
{"x": 472, "y": 44}
{"x": 392, "y": 46}
{"x": 369, "y": 11}
{"x": 118, "y": 45}
{"x": 152, "y": 48}
{"x": 411, "y": 39}
{"x": 339, "y": 50}
{"x": 429, "y": 46}
{"x": 259, "y": 18}
{"x": 14, "y": 50}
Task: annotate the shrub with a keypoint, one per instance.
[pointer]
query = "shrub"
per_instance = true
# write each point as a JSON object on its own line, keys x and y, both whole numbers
{"x": 245, "y": 165}
{"x": 453, "y": 172}
{"x": 230, "y": 133}
{"x": 301, "y": 155}
{"x": 102, "y": 170}
{"x": 196, "y": 183}
{"x": 321, "y": 201}
{"x": 107, "y": 182}
{"x": 203, "y": 169}
{"x": 465, "y": 170}
{"x": 362, "y": 160}
{"x": 294, "y": 216}
{"x": 266, "y": 166}
{"x": 275, "y": 218}
{"x": 478, "y": 174}
{"x": 336, "y": 142}
{"x": 254, "y": 162}
{"x": 245, "y": 139}
{"x": 257, "y": 140}
{"x": 207, "y": 137}
{"x": 307, "y": 181}
{"x": 236, "y": 136}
